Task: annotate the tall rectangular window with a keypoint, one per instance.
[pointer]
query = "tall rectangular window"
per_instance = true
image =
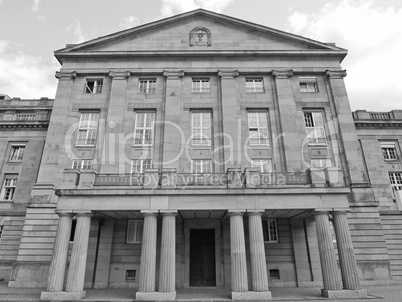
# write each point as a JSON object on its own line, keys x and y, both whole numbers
{"x": 254, "y": 85}
{"x": 201, "y": 166}
{"x": 88, "y": 128}
{"x": 308, "y": 84}
{"x": 139, "y": 165}
{"x": 16, "y": 153}
{"x": 93, "y": 85}
{"x": 258, "y": 128}
{"x": 82, "y": 164}
{"x": 315, "y": 127}
{"x": 389, "y": 151}
{"x": 201, "y": 128}
{"x": 264, "y": 165}
{"x": 201, "y": 86}
{"x": 147, "y": 86}
{"x": 134, "y": 231}
{"x": 9, "y": 185}
{"x": 395, "y": 179}
{"x": 321, "y": 162}
{"x": 270, "y": 230}
{"x": 144, "y": 128}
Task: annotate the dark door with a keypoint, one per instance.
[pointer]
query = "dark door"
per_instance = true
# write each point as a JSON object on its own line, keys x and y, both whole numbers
{"x": 202, "y": 257}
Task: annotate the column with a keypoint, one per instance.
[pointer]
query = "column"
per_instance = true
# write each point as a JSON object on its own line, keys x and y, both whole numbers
{"x": 148, "y": 255}
{"x": 285, "y": 111}
{"x": 329, "y": 267}
{"x": 230, "y": 119}
{"x": 59, "y": 260}
{"x": 350, "y": 278}
{"x": 238, "y": 255}
{"x": 167, "y": 276}
{"x": 76, "y": 271}
{"x": 173, "y": 137}
{"x": 259, "y": 277}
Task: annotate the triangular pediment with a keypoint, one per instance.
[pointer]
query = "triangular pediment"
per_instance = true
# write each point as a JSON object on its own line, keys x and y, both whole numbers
{"x": 214, "y": 32}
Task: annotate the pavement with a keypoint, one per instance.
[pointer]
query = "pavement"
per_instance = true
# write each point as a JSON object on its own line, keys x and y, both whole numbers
{"x": 389, "y": 293}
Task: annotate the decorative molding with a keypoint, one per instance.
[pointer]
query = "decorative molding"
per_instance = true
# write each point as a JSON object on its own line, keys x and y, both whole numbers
{"x": 78, "y": 107}
{"x": 119, "y": 75}
{"x": 62, "y": 75}
{"x": 282, "y": 74}
{"x": 336, "y": 74}
{"x": 254, "y": 105}
{"x": 200, "y": 36}
{"x": 377, "y": 124}
{"x": 189, "y": 106}
{"x": 173, "y": 74}
{"x": 152, "y": 106}
{"x": 228, "y": 74}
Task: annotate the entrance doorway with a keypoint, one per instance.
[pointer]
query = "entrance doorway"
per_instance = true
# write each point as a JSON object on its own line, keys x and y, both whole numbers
{"x": 202, "y": 257}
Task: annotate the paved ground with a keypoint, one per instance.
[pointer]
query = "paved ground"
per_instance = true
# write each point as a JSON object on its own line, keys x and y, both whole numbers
{"x": 391, "y": 293}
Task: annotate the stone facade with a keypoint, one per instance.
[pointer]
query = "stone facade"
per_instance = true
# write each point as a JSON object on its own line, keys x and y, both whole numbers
{"x": 202, "y": 150}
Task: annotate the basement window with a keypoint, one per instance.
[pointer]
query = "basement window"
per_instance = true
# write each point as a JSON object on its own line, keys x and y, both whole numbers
{"x": 130, "y": 275}
{"x": 274, "y": 274}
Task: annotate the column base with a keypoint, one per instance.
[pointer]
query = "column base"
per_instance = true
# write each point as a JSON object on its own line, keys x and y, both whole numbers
{"x": 256, "y": 296}
{"x": 74, "y": 296}
{"x": 342, "y": 294}
{"x": 155, "y": 296}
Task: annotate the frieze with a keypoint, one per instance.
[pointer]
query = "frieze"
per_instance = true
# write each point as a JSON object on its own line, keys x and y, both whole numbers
{"x": 338, "y": 74}
{"x": 200, "y": 36}
{"x": 282, "y": 74}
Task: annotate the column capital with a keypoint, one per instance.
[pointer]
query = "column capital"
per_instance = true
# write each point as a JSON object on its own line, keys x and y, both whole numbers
{"x": 228, "y": 74}
{"x": 255, "y": 213}
{"x": 119, "y": 75}
{"x": 335, "y": 74}
{"x": 282, "y": 74}
{"x": 321, "y": 212}
{"x": 146, "y": 213}
{"x": 84, "y": 214}
{"x": 339, "y": 212}
{"x": 65, "y": 213}
{"x": 168, "y": 213}
{"x": 236, "y": 212}
{"x": 63, "y": 75}
{"x": 173, "y": 74}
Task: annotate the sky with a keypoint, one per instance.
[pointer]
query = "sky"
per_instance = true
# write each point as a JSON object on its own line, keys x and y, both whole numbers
{"x": 371, "y": 30}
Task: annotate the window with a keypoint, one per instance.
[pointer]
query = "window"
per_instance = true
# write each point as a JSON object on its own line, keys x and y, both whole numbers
{"x": 93, "y": 86}
{"x": 321, "y": 163}
{"x": 274, "y": 274}
{"x": 144, "y": 128}
{"x": 263, "y": 164}
{"x": 139, "y": 165}
{"x": 201, "y": 128}
{"x": 134, "y": 231}
{"x": 396, "y": 180}
{"x": 201, "y": 86}
{"x": 201, "y": 166}
{"x": 315, "y": 127}
{"x": 88, "y": 128}
{"x": 147, "y": 86}
{"x": 389, "y": 151}
{"x": 130, "y": 275}
{"x": 308, "y": 84}
{"x": 258, "y": 128}
{"x": 26, "y": 117}
{"x": 270, "y": 230}
{"x": 8, "y": 189}
{"x": 17, "y": 152}
{"x": 254, "y": 85}
{"x": 82, "y": 164}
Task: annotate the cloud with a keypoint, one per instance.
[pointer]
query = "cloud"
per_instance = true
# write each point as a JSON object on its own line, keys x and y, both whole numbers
{"x": 41, "y": 18}
{"x": 373, "y": 36}
{"x": 76, "y": 30}
{"x": 24, "y": 75}
{"x": 35, "y": 5}
{"x": 129, "y": 22}
{"x": 173, "y": 7}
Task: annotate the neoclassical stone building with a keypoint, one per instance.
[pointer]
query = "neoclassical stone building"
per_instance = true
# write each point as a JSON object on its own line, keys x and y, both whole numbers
{"x": 204, "y": 150}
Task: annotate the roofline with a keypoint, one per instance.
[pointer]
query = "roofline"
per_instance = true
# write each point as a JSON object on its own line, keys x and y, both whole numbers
{"x": 204, "y": 12}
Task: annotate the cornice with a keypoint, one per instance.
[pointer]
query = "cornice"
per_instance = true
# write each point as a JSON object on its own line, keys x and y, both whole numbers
{"x": 62, "y": 75}
{"x": 13, "y": 124}
{"x": 377, "y": 124}
{"x": 172, "y": 74}
{"x": 335, "y": 74}
{"x": 282, "y": 74}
